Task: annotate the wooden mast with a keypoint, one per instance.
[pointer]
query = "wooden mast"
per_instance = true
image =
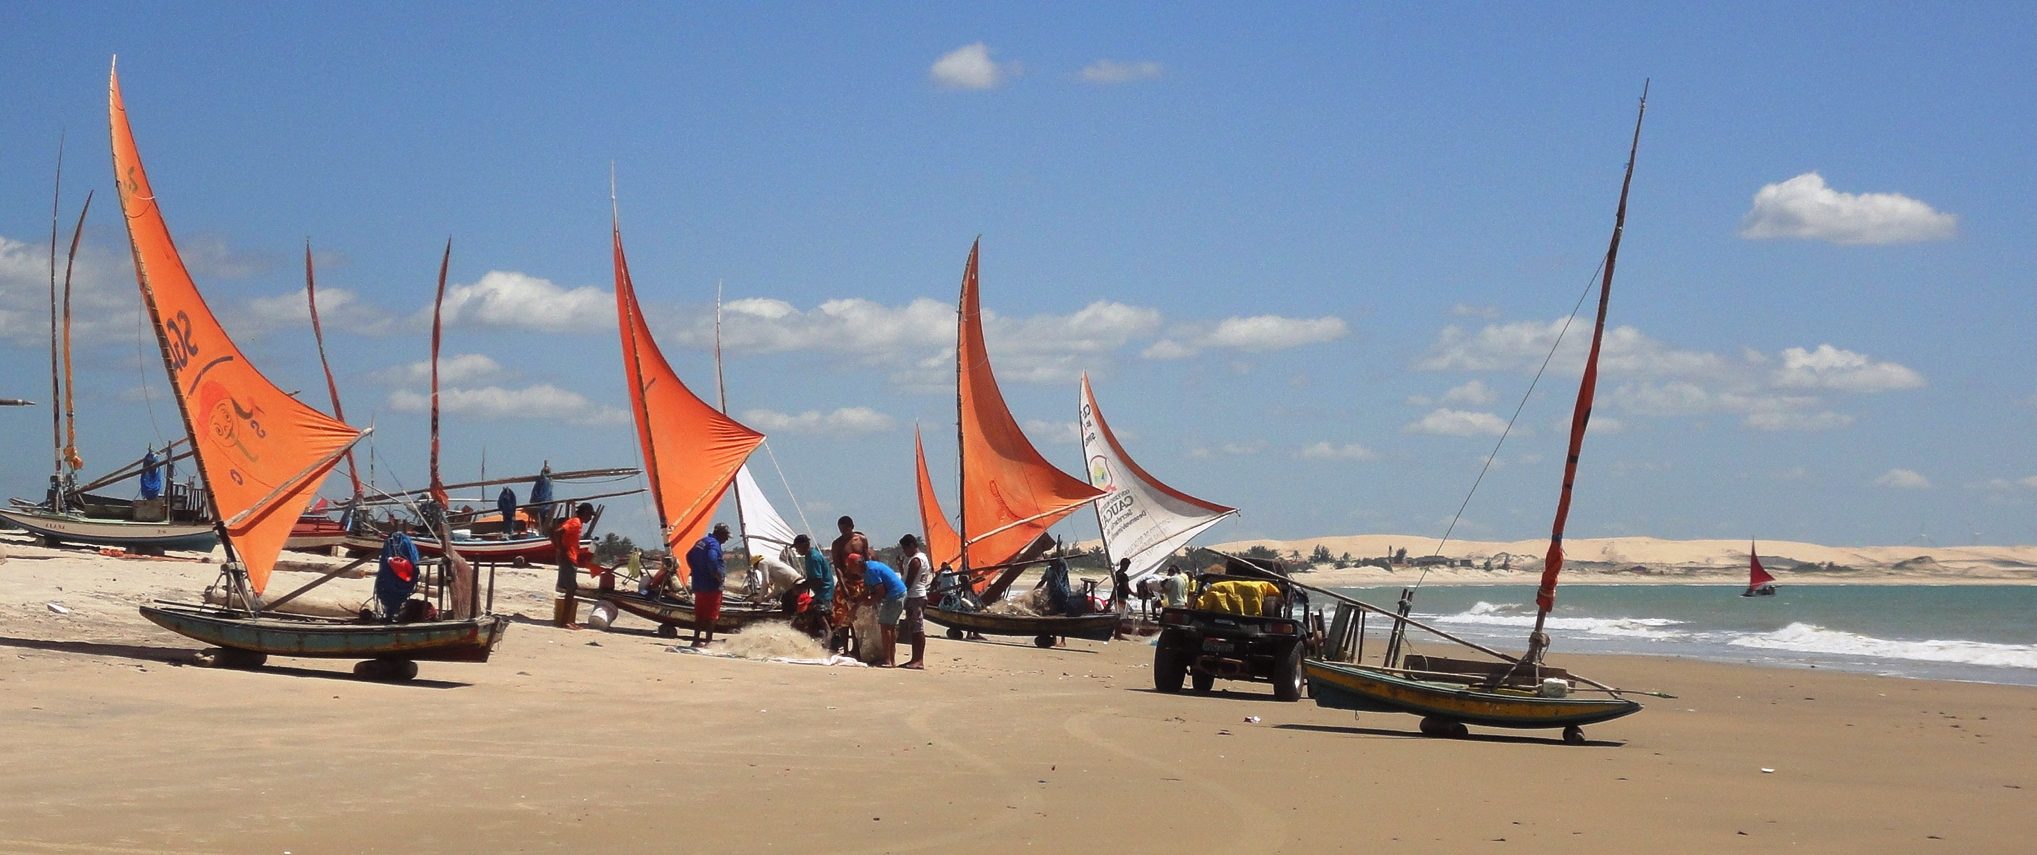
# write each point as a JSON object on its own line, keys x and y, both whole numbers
{"x": 1545, "y": 595}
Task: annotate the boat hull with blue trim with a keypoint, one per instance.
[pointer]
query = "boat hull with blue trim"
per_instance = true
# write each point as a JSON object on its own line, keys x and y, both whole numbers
{"x": 56, "y": 529}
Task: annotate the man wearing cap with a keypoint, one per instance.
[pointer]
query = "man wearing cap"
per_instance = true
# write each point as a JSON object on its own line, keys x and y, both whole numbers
{"x": 704, "y": 561}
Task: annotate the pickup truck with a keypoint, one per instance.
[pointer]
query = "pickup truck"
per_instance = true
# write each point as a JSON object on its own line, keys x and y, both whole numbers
{"x": 1203, "y": 645}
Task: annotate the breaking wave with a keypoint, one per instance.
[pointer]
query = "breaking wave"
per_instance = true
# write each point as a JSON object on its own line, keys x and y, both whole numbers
{"x": 1811, "y": 638}
{"x": 1515, "y": 614}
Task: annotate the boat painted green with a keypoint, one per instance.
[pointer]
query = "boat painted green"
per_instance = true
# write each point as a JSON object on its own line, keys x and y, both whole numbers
{"x": 470, "y": 640}
{"x": 1341, "y": 685}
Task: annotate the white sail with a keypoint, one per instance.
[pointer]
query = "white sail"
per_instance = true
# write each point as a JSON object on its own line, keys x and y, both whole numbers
{"x": 764, "y": 531}
{"x": 1141, "y": 518}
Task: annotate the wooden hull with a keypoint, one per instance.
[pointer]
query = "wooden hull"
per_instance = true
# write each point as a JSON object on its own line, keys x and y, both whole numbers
{"x": 438, "y": 641}
{"x": 133, "y": 536}
{"x": 734, "y": 615}
{"x": 1340, "y": 685}
{"x": 527, "y": 551}
{"x": 1098, "y": 627}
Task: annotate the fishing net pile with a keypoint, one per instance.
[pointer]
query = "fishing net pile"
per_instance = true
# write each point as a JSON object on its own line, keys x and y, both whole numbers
{"x": 770, "y": 640}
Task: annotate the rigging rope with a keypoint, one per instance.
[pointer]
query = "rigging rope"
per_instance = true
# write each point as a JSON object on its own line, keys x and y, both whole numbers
{"x": 803, "y": 525}
{"x": 1590, "y": 283}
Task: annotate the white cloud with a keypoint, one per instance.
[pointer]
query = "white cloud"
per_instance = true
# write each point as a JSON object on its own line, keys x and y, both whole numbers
{"x": 1797, "y": 420}
{"x": 1448, "y": 422}
{"x": 511, "y": 300}
{"x": 104, "y": 303}
{"x": 1828, "y": 367}
{"x": 208, "y": 257}
{"x": 1474, "y": 393}
{"x": 970, "y": 67}
{"x": 1228, "y": 449}
{"x": 1328, "y": 451}
{"x": 1256, "y": 334}
{"x": 1522, "y": 345}
{"x": 542, "y": 402}
{"x": 1902, "y": 479}
{"x": 847, "y": 420}
{"x": 917, "y": 340}
{"x": 1466, "y": 310}
{"x": 1059, "y": 433}
{"x": 1106, "y": 71}
{"x": 459, "y": 368}
{"x": 1803, "y": 207}
{"x": 339, "y": 309}
{"x": 2030, "y": 482}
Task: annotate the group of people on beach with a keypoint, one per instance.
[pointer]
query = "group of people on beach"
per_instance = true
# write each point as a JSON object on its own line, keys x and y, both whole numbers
{"x": 822, "y": 591}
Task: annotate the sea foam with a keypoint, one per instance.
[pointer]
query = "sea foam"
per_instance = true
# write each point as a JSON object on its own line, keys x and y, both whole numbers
{"x": 1811, "y": 638}
{"x": 1513, "y": 614}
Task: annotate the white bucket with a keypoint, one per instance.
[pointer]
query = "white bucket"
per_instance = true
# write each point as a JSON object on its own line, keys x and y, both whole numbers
{"x": 601, "y": 615}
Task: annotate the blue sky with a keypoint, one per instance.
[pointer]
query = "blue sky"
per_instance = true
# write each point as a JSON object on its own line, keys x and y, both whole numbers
{"x": 1309, "y": 253}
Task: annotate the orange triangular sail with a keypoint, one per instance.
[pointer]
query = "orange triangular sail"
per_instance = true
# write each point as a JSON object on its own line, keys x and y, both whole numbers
{"x": 943, "y": 545}
{"x": 691, "y": 450}
{"x": 263, "y": 452}
{"x": 1010, "y": 494}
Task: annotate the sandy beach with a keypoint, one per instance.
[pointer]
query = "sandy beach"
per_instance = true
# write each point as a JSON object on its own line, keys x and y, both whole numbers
{"x": 115, "y": 741}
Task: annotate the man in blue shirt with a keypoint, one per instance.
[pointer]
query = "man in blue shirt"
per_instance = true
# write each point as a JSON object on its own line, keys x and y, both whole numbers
{"x": 883, "y": 586}
{"x": 704, "y": 561}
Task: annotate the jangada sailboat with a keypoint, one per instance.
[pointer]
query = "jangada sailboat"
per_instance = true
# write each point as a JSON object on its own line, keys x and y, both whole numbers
{"x": 72, "y": 514}
{"x": 1010, "y": 497}
{"x": 692, "y": 452}
{"x": 1759, "y": 583}
{"x": 1516, "y": 692}
{"x": 263, "y": 453}
{"x": 1142, "y": 520}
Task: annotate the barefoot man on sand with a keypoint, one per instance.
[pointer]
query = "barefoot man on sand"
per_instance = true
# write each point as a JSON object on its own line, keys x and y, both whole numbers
{"x": 705, "y": 562}
{"x": 912, "y": 627}
{"x": 849, "y": 585}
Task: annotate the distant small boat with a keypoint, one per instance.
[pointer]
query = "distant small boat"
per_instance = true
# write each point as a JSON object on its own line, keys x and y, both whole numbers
{"x": 1759, "y": 583}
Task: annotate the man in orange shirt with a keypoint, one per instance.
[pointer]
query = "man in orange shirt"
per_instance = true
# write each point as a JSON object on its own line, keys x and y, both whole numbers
{"x": 566, "y": 546}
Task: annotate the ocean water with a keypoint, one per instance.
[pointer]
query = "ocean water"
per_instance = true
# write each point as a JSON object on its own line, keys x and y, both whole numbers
{"x": 1980, "y": 633}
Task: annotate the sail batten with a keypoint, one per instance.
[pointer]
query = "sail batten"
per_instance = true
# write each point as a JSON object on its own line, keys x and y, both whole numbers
{"x": 263, "y": 453}
{"x": 1010, "y": 493}
{"x": 692, "y": 451}
{"x": 1142, "y": 518}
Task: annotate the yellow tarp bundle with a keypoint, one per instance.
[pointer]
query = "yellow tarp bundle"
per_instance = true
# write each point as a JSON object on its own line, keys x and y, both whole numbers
{"x": 1237, "y": 596}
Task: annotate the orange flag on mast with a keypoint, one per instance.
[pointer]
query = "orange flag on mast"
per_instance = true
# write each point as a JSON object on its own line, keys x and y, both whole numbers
{"x": 263, "y": 452}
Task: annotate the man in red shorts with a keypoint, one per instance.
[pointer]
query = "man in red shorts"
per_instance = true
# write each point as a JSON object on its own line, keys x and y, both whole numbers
{"x": 704, "y": 560}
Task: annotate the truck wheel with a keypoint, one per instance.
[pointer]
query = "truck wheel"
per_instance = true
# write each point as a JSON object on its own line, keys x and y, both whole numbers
{"x": 1202, "y": 680}
{"x": 1287, "y": 676}
{"x": 1167, "y": 668}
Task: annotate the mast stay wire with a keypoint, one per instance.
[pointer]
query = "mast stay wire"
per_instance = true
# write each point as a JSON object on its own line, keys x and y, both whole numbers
{"x": 1590, "y": 282}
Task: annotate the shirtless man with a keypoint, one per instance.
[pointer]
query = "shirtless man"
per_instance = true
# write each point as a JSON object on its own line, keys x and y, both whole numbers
{"x": 849, "y": 586}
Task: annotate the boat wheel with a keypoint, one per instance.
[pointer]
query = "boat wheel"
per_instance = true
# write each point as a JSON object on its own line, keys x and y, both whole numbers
{"x": 954, "y": 633}
{"x": 1043, "y": 641}
{"x": 519, "y": 562}
{"x": 394, "y": 670}
{"x": 229, "y": 657}
{"x": 1573, "y": 735}
{"x": 1432, "y": 726}
{"x": 666, "y": 630}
